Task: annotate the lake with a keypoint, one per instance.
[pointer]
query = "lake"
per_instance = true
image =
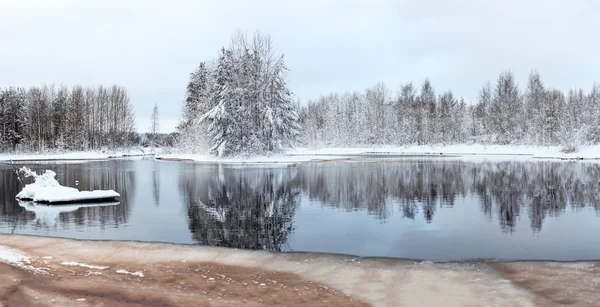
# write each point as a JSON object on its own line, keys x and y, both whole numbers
{"x": 428, "y": 209}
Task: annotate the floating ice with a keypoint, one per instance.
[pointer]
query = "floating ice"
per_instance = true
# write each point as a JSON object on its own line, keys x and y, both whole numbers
{"x": 46, "y": 188}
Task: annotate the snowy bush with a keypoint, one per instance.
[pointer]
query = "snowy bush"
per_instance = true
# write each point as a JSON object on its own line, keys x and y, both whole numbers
{"x": 573, "y": 139}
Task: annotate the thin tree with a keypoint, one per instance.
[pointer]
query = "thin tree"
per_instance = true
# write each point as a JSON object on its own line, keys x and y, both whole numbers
{"x": 154, "y": 124}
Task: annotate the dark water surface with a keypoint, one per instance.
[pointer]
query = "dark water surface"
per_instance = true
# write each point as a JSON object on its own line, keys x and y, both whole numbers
{"x": 424, "y": 209}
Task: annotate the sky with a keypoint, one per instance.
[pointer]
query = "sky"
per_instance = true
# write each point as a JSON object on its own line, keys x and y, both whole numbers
{"x": 151, "y": 47}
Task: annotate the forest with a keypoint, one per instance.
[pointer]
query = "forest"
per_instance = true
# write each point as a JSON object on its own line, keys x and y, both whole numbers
{"x": 240, "y": 104}
{"x": 502, "y": 114}
{"x": 80, "y": 118}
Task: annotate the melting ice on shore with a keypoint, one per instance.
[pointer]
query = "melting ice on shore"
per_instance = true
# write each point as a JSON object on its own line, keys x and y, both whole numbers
{"x": 46, "y": 189}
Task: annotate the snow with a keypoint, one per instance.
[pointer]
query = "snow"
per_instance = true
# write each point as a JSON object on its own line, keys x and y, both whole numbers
{"x": 463, "y": 151}
{"x": 47, "y": 189}
{"x": 66, "y": 195}
{"x": 81, "y": 155}
{"x": 10, "y": 256}
{"x": 475, "y": 152}
{"x": 275, "y": 159}
{"x": 84, "y": 265}
{"x": 17, "y": 259}
{"x": 137, "y": 273}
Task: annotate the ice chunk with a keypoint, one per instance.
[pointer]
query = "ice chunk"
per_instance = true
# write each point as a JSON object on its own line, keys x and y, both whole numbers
{"x": 46, "y": 188}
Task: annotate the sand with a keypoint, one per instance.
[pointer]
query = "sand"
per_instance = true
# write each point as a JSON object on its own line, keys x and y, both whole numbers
{"x": 60, "y": 272}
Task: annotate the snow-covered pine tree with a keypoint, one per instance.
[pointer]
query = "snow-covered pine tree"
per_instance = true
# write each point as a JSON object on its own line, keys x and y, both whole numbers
{"x": 221, "y": 115}
{"x": 249, "y": 109}
{"x": 280, "y": 113}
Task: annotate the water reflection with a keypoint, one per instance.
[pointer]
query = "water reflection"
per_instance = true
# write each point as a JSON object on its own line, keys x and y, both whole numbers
{"x": 84, "y": 176}
{"x": 239, "y": 207}
{"x": 49, "y": 216}
{"x": 254, "y": 208}
{"x": 423, "y": 209}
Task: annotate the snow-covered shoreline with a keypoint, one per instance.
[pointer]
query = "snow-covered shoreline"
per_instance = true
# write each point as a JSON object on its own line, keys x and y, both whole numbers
{"x": 80, "y": 155}
{"x": 461, "y": 152}
{"x": 475, "y": 152}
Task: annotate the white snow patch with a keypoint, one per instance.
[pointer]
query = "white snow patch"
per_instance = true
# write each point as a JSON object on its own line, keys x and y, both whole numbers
{"x": 83, "y": 155}
{"x": 286, "y": 160}
{"x": 84, "y": 265}
{"x": 470, "y": 152}
{"x": 46, "y": 188}
{"x": 475, "y": 152}
{"x": 17, "y": 259}
{"x": 81, "y": 300}
{"x": 137, "y": 273}
{"x": 13, "y": 257}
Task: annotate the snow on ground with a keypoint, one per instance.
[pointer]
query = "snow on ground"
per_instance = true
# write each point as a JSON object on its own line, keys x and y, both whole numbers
{"x": 463, "y": 151}
{"x": 474, "y": 152}
{"x": 46, "y": 188}
{"x": 275, "y": 159}
{"x": 136, "y": 273}
{"x": 10, "y": 256}
{"x": 18, "y": 259}
{"x": 84, "y": 265}
{"x": 82, "y": 155}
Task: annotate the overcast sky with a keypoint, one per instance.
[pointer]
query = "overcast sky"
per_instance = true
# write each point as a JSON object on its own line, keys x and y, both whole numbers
{"x": 150, "y": 47}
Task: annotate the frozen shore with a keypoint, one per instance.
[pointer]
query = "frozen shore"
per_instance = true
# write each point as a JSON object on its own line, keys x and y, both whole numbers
{"x": 48, "y": 271}
{"x": 474, "y": 152}
{"x": 80, "y": 155}
{"x": 461, "y": 152}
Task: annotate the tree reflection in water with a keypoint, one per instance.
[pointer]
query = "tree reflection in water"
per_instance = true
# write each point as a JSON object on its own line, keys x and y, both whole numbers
{"x": 251, "y": 208}
{"x": 254, "y": 207}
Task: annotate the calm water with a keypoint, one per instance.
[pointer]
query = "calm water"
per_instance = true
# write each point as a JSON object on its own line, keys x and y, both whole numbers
{"x": 424, "y": 209}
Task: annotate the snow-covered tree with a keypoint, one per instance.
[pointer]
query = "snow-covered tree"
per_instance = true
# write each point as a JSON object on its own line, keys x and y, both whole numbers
{"x": 506, "y": 103}
{"x": 281, "y": 115}
{"x": 243, "y": 104}
{"x": 535, "y": 97}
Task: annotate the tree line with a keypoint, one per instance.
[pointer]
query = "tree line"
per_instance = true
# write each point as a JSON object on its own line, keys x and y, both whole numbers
{"x": 80, "y": 118}
{"x": 240, "y": 104}
{"x": 503, "y": 114}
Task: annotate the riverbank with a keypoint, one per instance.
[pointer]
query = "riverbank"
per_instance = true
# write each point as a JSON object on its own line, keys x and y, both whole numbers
{"x": 461, "y": 152}
{"x": 60, "y": 272}
{"x": 80, "y": 155}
